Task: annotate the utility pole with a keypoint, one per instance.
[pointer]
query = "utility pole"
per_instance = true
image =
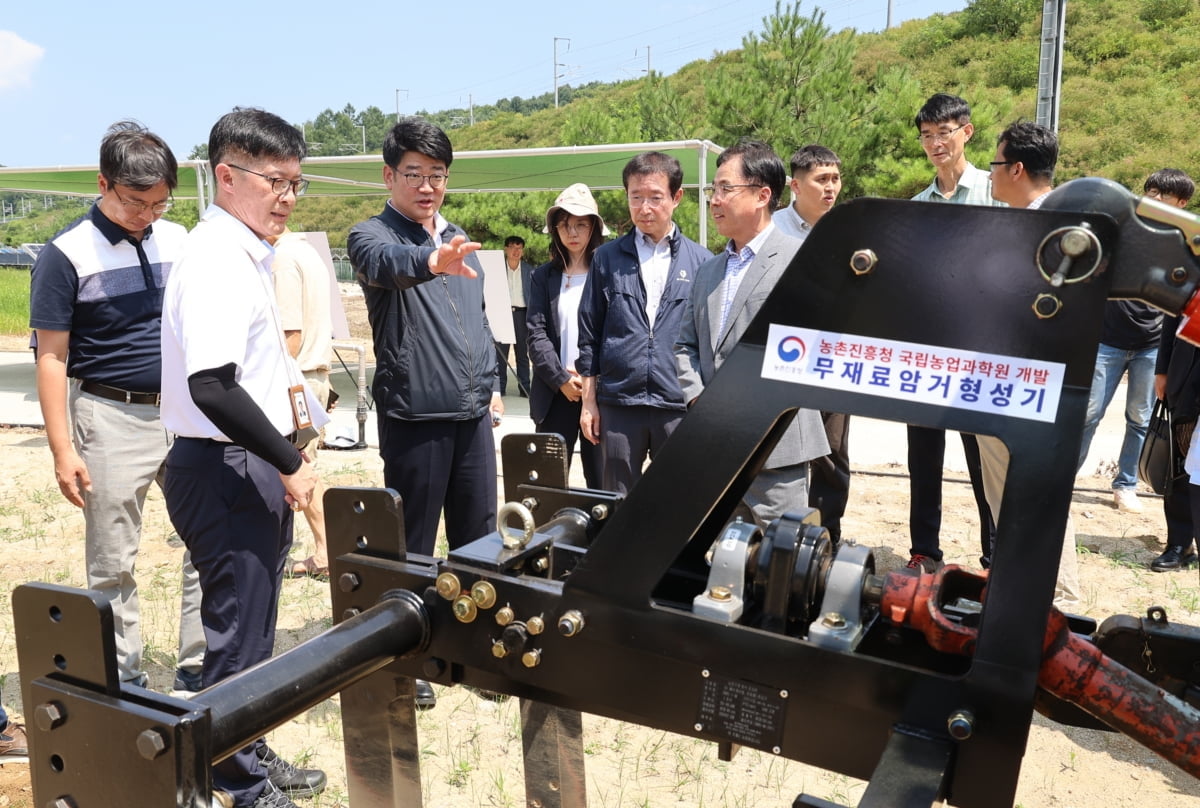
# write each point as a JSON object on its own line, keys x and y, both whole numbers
{"x": 471, "y": 104}
{"x": 647, "y": 60}
{"x": 557, "y": 39}
{"x": 889, "y": 16}
{"x": 364, "y": 130}
{"x": 1054, "y": 17}
{"x": 398, "y": 103}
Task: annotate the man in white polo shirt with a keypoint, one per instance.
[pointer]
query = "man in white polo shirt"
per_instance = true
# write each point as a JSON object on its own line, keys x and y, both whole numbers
{"x": 238, "y": 405}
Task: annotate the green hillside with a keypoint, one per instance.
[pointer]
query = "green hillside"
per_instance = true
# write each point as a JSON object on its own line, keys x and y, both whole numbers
{"x": 1129, "y": 75}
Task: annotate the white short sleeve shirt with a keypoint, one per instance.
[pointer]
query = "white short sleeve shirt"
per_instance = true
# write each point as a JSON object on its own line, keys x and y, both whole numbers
{"x": 219, "y": 308}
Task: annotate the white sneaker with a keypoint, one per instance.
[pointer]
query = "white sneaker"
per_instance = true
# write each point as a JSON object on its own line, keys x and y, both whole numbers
{"x": 1125, "y": 499}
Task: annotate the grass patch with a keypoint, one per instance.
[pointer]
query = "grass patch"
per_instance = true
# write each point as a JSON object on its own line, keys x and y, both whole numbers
{"x": 14, "y": 301}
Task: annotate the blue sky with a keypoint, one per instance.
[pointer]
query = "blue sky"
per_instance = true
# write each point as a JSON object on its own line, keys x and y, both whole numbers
{"x": 66, "y": 74}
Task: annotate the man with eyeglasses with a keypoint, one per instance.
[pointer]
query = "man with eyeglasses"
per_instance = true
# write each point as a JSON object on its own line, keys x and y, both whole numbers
{"x": 239, "y": 407}
{"x": 629, "y": 316}
{"x": 944, "y": 128}
{"x": 1022, "y": 175}
{"x": 436, "y": 383}
{"x": 728, "y": 292}
{"x": 96, "y": 307}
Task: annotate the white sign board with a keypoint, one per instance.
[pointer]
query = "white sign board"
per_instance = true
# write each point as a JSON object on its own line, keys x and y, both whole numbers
{"x": 495, "y": 296}
{"x": 929, "y": 374}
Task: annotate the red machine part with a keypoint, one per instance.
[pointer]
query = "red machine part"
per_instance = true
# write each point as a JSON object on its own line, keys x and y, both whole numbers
{"x": 1189, "y": 321}
{"x": 1072, "y": 668}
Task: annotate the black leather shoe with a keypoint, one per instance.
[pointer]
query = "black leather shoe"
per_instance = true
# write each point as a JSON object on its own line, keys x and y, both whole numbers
{"x": 291, "y": 780}
{"x": 425, "y": 699}
{"x": 1175, "y": 558}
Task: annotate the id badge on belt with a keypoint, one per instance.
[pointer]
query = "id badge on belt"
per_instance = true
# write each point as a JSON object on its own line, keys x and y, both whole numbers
{"x": 305, "y": 431}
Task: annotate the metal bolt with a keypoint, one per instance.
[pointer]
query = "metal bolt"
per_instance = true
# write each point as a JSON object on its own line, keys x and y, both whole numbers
{"x": 721, "y": 593}
{"x": 1178, "y": 275}
{"x": 540, "y": 564}
{"x": 705, "y": 673}
{"x": 600, "y": 512}
{"x": 776, "y": 750}
{"x": 49, "y": 715}
{"x": 1074, "y": 242}
{"x": 530, "y": 502}
{"x": 961, "y": 725}
{"x": 448, "y": 585}
{"x": 465, "y": 609}
{"x": 151, "y": 743}
{"x": 571, "y": 623}
{"x": 534, "y": 802}
{"x": 698, "y": 727}
{"x": 351, "y": 612}
{"x": 61, "y": 802}
{"x": 863, "y": 261}
{"x": 532, "y": 658}
{"x": 535, "y": 624}
{"x": 349, "y": 581}
{"x": 1046, "y": 306}
{"x": 499, "y": 649}
{"x": 484, "y": 594}
{"x": 833, "y": 620}
{"x": 505, "y": 615}
{"x": 783, "y": 694}
{"x": 531, "y": 447}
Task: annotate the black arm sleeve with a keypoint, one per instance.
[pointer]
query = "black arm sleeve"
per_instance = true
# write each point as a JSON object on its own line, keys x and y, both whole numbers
{"x": 230, "y": 408}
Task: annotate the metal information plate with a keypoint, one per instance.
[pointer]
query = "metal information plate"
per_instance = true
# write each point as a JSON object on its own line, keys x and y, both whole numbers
{"x": 745, "y": 712}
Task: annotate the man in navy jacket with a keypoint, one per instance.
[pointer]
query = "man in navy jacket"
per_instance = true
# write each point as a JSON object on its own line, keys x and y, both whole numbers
{"x": 629, "y": 317}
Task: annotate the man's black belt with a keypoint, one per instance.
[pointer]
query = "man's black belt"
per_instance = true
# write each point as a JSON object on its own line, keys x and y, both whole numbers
{"x": 117, "y": 394}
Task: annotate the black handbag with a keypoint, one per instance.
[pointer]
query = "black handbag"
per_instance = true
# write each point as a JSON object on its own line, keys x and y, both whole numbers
{"x": 1161, "y": 461}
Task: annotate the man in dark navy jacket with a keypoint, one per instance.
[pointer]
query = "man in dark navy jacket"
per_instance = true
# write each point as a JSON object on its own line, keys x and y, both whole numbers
{"x": 629, "y": 318}
{"x": 436, "y": 381}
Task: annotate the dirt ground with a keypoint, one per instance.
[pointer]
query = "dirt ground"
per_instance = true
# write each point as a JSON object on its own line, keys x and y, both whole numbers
{"x": 470, "y": 749}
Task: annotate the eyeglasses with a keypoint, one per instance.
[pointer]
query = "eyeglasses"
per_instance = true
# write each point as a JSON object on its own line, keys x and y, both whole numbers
{"x": 995, "y": 163}
{"x": 158, "y": 209}
{"x": 711, "y": 192}
{"x": 415, "y": 180}
{"x": 577, "y": 229}
{"x": 939, "y": 137}
{"x": 636, "y": 202}
{"x": 279, "y": 185}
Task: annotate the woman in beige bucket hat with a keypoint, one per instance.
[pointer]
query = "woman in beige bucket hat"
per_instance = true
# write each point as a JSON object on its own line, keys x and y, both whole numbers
{"x": 576, "y": 229}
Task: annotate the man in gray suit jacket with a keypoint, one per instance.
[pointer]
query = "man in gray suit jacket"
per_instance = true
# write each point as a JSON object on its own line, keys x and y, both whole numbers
{"x": 728, "y": 291}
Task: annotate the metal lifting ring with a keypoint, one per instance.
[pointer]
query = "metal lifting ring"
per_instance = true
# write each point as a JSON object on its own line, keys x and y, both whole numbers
{"x": 1073, "y": 245}
{"x": 512, "y": 539}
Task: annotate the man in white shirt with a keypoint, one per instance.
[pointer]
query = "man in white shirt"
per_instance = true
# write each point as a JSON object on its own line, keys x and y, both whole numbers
{"x": 816, "y": 182}
{"x": 237, "y": 403}
{"x": 518, "y": 276}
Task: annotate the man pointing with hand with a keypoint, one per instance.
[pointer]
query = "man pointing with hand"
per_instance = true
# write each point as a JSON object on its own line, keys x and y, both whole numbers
{"x": 435, "y": 377}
